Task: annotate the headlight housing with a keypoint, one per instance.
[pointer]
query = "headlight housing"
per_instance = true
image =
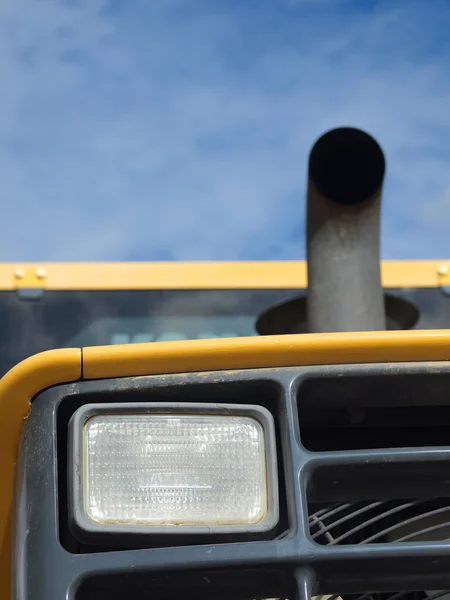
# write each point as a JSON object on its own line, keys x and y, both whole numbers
{"x": 154, "y": 468}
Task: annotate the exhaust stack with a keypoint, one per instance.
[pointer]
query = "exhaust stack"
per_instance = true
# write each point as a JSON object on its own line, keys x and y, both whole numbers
{"x": 345, "y": 179}
{"x": 346, "y": 173}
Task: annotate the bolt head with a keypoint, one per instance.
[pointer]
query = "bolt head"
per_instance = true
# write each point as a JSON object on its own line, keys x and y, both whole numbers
{"x": 19, "y": 274}
{"x": 41, "y": 273}
{"x": 443, "y": 270}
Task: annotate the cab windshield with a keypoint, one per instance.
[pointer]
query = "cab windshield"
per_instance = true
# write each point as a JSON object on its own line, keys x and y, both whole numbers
{"x": 86, "y": 318}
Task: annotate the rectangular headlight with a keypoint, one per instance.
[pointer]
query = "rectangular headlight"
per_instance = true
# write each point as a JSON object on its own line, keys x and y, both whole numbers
{"x": 153, "y": 467}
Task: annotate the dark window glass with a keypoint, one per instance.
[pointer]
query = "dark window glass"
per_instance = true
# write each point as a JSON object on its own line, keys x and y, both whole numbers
{"x": 87, "y": 318}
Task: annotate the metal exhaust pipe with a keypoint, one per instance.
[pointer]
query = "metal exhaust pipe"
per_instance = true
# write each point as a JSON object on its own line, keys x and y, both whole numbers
{"x": 345, "y": 179}
{"x": 346, "y": 173}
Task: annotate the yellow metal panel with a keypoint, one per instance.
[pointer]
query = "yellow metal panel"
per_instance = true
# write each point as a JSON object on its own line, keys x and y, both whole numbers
{"x": 29, "y": 277}
{"x": 269, "y": 351}
{"x": 17, "y": 388}
{"x": 200, "y": 275}
{"x": 173, "y": 275}
{"x": 444, "y": 274}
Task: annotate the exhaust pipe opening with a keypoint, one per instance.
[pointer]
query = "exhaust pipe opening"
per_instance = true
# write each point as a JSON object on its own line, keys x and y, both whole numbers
{"x": 347, "y": 166}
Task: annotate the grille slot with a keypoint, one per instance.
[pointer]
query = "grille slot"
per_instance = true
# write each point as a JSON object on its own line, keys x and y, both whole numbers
{"x": 374, "y": 411}
{"x": 381, "y": 500}
{"x": 381, "y": 522}
{"x": 389, "y": 596}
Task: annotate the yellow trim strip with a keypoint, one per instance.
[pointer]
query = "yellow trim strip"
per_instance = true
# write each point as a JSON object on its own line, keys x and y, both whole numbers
{"x": 200, "y": 275}
{"x": 101, "y": 362}
{"x": 17, "y": 388}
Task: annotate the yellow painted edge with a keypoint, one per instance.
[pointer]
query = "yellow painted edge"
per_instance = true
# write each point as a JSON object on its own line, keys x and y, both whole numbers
{"x": 101, "y": 362}
{"x": 17, "y": 388}
{"x": 444, "y": 274}
{"x": 198, "y": 275}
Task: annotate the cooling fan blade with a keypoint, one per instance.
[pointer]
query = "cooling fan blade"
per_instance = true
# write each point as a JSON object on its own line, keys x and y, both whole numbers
{"x": 429, "y": 528}
{"x": 383, "y": 522}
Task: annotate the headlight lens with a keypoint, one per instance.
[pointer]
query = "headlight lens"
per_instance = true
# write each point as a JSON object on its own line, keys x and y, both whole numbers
{"x": 174, "y": 469}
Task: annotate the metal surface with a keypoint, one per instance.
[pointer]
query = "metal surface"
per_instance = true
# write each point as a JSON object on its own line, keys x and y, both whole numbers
{"x": 287, "y": 564}
{"x": 17, "y": 388}
{"x": 345, "y": 179}
{"x": 292, "y": 316}
{"x": 50, "y": 368}
{"x": 272, "y": 351}
{"x": 199, "y": 275}
{"x": 28, "y": 278}
{"x": 346, "y": 172}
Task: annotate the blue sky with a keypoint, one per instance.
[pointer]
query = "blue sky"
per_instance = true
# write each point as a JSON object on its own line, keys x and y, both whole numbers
{"x": 180, "y": 129}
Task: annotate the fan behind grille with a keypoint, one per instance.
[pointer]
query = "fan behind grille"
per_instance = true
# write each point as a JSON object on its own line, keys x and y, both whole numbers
{"x": 388, "y": 596}
{"x": 381, "y": 522}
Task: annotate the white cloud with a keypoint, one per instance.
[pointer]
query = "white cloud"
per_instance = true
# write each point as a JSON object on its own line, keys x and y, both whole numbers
{"x": 174, "y": 130}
